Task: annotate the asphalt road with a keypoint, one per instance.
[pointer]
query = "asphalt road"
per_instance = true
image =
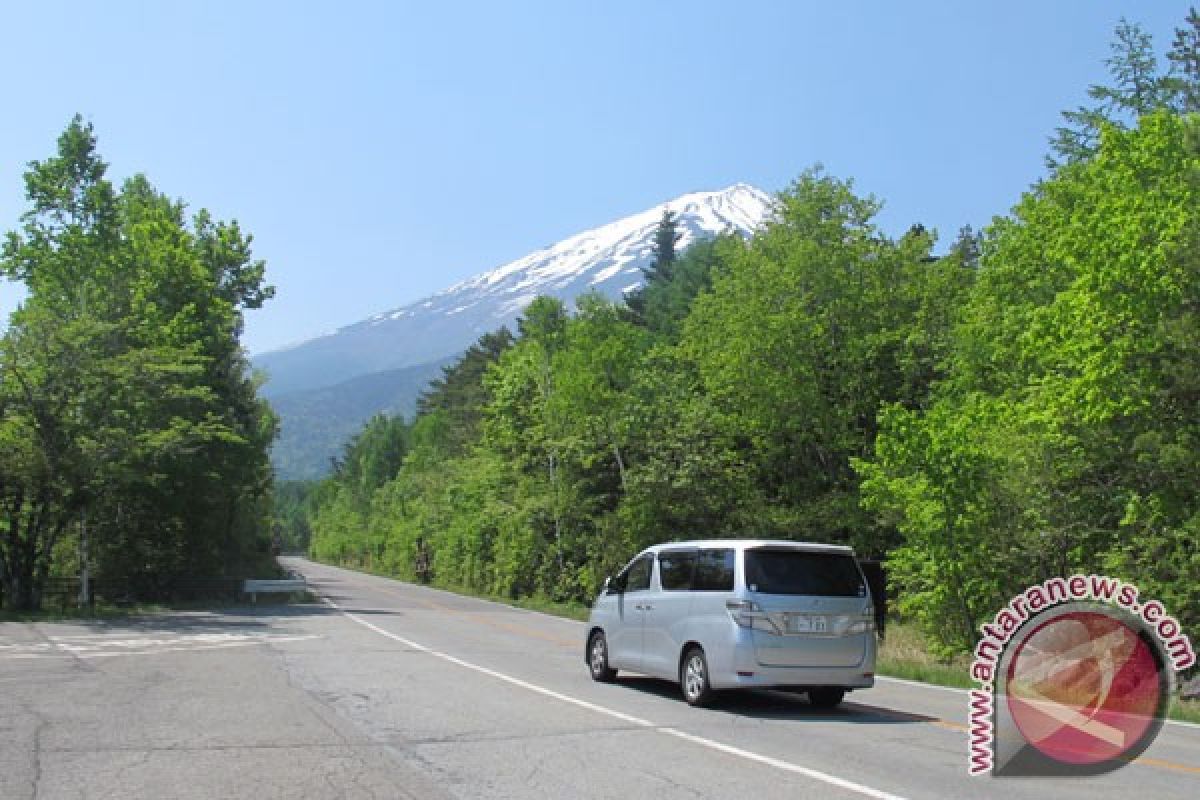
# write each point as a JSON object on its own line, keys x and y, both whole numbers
{"x": 389, "y": 690}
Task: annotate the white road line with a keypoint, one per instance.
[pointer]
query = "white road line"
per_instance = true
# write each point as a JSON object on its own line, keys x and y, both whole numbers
{"x": 1182, "y": 723}
{"x": 906, "y": 682}
{"x": 169, "y": 647}
{"x": 883, "y": 678}
{"x": 788, "y": 766}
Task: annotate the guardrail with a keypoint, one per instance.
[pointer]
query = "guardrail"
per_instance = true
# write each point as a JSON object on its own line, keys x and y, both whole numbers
{"x": 63, "y": 593}
{"x": 286, "y": 586}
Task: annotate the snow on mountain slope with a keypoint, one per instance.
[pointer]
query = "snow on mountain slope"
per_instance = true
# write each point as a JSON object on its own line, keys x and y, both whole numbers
{"x": 608, "y": 259}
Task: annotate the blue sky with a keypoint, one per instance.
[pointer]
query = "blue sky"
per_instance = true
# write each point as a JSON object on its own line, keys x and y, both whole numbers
{"x": 381, "y": 151}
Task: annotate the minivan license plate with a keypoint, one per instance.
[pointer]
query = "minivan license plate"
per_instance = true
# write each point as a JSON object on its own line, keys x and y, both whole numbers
{"x": 807, "y": 623}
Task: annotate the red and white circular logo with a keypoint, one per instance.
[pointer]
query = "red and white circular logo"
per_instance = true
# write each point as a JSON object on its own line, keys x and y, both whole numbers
{"x": 1086, "y": 688}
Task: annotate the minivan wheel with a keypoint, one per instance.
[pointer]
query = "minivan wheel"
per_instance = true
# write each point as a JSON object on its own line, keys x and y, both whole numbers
{"x": 693, "y": 678}
{"x": 598, "y": 658}
{"x": 826, "y": 697}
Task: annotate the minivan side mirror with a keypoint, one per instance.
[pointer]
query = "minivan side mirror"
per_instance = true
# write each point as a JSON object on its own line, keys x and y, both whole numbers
{"x": 611, "y": 587}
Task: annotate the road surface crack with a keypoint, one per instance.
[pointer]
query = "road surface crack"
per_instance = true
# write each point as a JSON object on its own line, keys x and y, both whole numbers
{"x": 35, "y": 786}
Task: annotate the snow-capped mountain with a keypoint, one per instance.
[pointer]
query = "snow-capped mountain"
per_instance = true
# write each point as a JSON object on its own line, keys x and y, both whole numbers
{"x": 608, "y": 259}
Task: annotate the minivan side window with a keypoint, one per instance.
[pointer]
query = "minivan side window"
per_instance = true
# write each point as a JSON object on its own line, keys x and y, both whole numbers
{"x": 714, "y": 571}
{"x": 675, "y": 569}
{"x": 637, "y": 577}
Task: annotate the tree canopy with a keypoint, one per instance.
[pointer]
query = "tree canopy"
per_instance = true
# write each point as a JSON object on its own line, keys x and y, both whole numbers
{"x": 129, "y": 411}
{"x": 1022, "y": 403}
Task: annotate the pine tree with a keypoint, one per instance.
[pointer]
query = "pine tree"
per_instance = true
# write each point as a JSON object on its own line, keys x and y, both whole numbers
{"x": 1137, "y": 88}
{"x": 460, "y": 395}
{"x": 661, "y": 267}
{"x": 665, "y": 238}
{"x": 1184, "y": 76}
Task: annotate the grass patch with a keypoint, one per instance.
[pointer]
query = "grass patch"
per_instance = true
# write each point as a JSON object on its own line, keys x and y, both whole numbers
{"x": 105, "y": 610}
{"x": 1185, "y": 710}
{"x": 903, "y": 653}
{"x": 100, "y": 611}
{"x": 570, "y": 610}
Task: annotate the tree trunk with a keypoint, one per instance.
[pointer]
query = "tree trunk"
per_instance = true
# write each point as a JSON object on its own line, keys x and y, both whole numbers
{"x": 620, "y": 463}
{"x": 558, "y": 554}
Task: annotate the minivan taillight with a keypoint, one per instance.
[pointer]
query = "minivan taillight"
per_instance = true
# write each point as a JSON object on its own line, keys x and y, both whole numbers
{"x": 747, "y": 614}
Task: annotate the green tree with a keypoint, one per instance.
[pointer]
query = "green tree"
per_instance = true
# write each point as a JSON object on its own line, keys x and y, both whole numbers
{"x": 662, "y": 260}
{"x": 128, "y": 402}
{"x": 1184, "y": 77}
{"x": 666, "y": 303}
{"x": 666, "y": 238}
{"x": 808, "y": 331}
{"x": 460, "y": 393}
{"x": 1061, "y": 438}
{"x": 1138, "y": 88}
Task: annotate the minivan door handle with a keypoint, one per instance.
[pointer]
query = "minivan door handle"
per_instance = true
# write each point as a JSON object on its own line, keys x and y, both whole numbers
{"x": 646, "y": 607}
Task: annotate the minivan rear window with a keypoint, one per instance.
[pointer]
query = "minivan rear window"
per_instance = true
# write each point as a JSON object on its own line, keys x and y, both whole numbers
{"x": 799, "y": 572}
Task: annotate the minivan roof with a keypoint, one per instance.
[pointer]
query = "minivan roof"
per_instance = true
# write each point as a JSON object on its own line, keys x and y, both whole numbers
{"x": 811, "y": 547}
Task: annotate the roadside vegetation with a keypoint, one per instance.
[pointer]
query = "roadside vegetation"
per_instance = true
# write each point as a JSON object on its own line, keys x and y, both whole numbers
{"x": 131, "y": 433}
{"x": 1021, "y": 403}
{"x": 906, "y": 653}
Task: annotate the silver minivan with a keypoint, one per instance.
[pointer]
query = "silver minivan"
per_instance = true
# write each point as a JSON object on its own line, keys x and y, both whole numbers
{"x": 738, "y": 613}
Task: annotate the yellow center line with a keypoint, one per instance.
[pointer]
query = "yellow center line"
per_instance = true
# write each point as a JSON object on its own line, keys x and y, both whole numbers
{"x": 504, "y": 626}
{"x": 948, "y": 725}
{"x": 481, "y": 619}
{"x": 1158, "y": 762}
{"x": 961, "y": 728}
{"x": 1143, "y": 760}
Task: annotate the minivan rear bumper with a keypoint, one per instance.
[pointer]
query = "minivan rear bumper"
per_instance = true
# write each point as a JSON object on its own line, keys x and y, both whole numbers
{"x": 742, "y": 669}
{"x": 780, "y": 677}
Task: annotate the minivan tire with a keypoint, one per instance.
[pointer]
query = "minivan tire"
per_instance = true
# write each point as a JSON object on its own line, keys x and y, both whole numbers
{"x": 598, "y": 658}
{"x": 826, "y": 697}
{"x": 693, "y": 678}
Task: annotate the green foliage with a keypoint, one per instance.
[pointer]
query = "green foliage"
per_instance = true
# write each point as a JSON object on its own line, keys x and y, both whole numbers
{"x": 1025, "y": 405}
{"x": 314, "y": 424}
{"x": 809, "y": 330}
{"x": 662, "y": 261}
{"x": 1138, "y": 88}
{"x": 1183, "y": 79}
{"x": 373, "y": 456}
{"x": 663, "y": 305}
{"x": 128, "y": 409}
{"x": 538, "y": 465}
{"x": 1064, "y": 437}
{"x": 460, "y": 393}
{"x": 666, "y": 237}
{"x": 292, "y": 504}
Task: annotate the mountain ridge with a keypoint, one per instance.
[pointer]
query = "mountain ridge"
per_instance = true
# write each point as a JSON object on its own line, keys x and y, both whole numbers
{"x": 315, "y": 424}
{"x": 608, "y": 258}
